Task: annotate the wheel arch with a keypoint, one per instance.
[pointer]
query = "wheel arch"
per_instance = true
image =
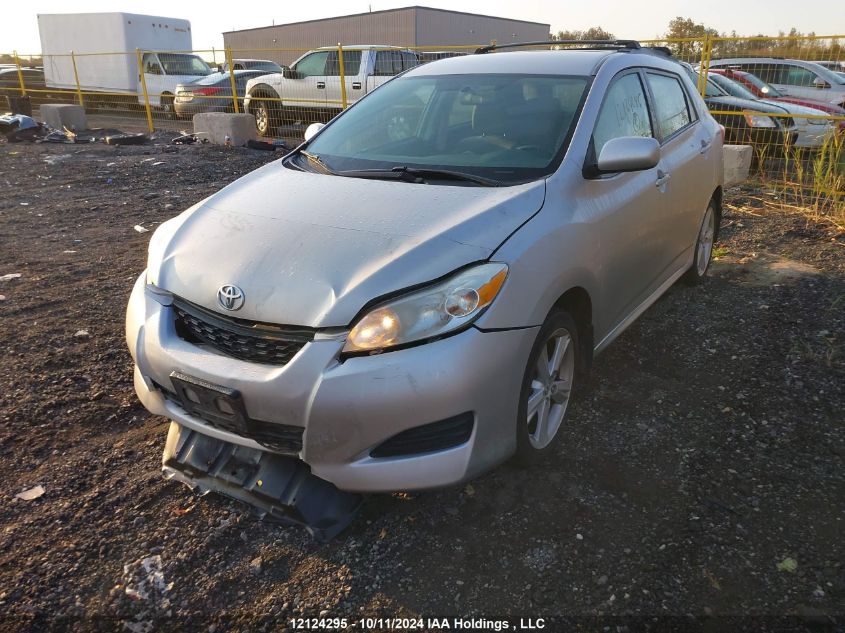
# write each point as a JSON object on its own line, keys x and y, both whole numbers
{"x": 717, "y": 199}
{"x": 578, "y": 303}
{"x": 262, "y": 91}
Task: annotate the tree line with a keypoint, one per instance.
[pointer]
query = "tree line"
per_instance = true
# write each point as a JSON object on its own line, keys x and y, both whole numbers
{"x": 681, "y": 28}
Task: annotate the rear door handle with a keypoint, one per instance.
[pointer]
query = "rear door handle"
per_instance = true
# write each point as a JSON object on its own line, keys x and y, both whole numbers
{"x": 705, "y": 145}
{"x": 662, "y": 178}
{"x": 356, "y": 85}
{"x": 321, "y": 85}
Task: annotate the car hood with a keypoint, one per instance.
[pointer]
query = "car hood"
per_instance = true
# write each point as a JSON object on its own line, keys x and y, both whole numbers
{"x": 746, "y": 104}
{"x": 311, "y": 249}
{"x": 794, "y": 108}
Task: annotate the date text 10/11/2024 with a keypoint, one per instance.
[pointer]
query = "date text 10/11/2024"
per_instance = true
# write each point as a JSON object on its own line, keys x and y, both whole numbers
{"x": 417, "y": 624}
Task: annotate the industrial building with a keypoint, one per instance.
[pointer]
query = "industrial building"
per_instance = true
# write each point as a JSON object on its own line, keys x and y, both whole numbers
{"x": 423, "y": 27}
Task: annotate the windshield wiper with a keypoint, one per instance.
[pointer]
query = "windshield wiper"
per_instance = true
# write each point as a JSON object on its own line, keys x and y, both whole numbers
{"x": 419, "y": 175}
{"x": 316, "y": 160}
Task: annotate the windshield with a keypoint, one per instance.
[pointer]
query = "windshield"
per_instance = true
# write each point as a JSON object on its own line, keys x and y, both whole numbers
{"x": 176, "y": 64}
{"x": 828, "y": 75}
{"x": 732, "y": 87}
{"x": 510, "y": 128}
{"x": 710, "y": 89}
{"x": 272, "y": 66}
{"x": 767, "y": 89}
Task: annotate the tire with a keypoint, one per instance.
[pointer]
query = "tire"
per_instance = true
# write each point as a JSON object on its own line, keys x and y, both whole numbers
{"x": 703, "y": 246}
{"x": 167, "y": 107}
{"x": 266, "y": 118}
{"x": 549, "y": 395}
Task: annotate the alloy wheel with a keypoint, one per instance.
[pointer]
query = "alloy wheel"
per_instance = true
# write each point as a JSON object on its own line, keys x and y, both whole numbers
{"x": 551, "y": 388}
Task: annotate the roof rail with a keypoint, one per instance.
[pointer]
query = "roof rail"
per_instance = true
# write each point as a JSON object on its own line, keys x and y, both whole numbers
{"x": 589, "y": 44}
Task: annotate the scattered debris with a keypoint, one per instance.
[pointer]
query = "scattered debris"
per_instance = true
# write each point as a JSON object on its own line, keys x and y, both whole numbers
{"x": 20, "y": 127}
{"x": 141, "y": 229}
{"x": 255, "y": 565}
{"x": 788, "y": 564}
{"x": 82, "y": 334}
{"x": 10, "y": 276}
{"x": 144, "y": 580}
{"x": 56, "y": 158}
{"x": 31, "y": 493}
{"x": 126, "y": 139}
{"x": 268, "y": 146}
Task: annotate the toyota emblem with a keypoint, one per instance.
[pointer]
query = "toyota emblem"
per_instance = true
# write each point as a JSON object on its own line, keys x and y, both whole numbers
{"x": 230, "y": 298}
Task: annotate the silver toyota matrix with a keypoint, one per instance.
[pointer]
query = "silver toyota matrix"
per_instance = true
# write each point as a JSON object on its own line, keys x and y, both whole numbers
{"x": 411, "y": 296}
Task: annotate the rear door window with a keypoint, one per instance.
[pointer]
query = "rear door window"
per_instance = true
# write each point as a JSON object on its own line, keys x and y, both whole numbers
{"x": 351, "y": 64}
{"x": 389, "y": 63}
{"x": 623, "y": 113}
{"x": 671, "y": 106}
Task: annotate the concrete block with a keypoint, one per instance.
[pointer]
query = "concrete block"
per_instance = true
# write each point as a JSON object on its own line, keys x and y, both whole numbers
{"x": 64, "y": 115}
{"x": 216, "y": 126}
{"x": 737, "y": 164}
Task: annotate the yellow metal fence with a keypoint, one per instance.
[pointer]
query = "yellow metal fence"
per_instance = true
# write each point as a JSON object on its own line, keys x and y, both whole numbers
{"x": 801, "y": 149}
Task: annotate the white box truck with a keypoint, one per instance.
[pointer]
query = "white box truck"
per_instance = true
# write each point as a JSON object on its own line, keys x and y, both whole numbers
{"x": 105, "y": 46}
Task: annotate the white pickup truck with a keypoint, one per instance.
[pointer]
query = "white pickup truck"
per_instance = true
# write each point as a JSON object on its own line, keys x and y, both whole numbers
{"x": 309, "y": 90}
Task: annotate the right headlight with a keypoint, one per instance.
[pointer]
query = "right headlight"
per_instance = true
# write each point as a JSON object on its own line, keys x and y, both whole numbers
{"x": 430, "y": 312}
{"x": 759, "y": 120}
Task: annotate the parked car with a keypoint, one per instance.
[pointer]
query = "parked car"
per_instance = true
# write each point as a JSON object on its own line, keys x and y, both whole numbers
{"x": 433, "y": 56}
{"x": 792, "y": 77}
{"x": 212, "y": 93}
{"x": 812, "y": 128}
{"x": 746, "y": 121}
{"x": 33, "y": 81}
{"x": 411, "y": 297}
{"x": 835, "y": 66}
{"x": 761, "y": 90}
{"x": 310, "y": 89}
{"x": 253, "y": 64}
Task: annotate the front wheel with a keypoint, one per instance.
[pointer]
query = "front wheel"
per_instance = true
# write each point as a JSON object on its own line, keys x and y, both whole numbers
{"x": 265, "y": 117}
{"x": 167, "y": 108}
{"x": 547, "y": 386}
{"x": 703, "y": 247}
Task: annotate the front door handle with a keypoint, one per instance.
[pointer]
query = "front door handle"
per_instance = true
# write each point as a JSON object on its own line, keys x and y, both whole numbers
{"x": 705, "y": 145}
{"x": 662, "y": 178}
{"x": 321, "y": 85}
{"x": 356, "y": 85}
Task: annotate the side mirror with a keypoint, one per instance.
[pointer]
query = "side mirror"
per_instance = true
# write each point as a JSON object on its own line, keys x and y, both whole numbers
{"x": 289, "y": 73}
{"x": 628, "y": 153}
{"x": 820, "y": 83}
{"x": 312, "y": 129}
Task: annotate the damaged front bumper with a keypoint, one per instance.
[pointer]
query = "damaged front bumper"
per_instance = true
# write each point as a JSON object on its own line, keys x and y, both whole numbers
{"x": 278, "y": 486}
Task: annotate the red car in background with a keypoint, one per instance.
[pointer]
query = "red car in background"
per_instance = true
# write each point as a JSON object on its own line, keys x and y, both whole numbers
{"x": 762, "y": 90}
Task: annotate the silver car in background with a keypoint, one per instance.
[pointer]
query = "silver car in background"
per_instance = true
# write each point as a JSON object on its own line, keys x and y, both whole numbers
{"x": 212, "y": 93}
{"x": 413, "y": 295}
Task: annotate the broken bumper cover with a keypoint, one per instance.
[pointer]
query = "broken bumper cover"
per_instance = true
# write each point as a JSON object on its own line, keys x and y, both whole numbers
{"x": 277, "y": 486}
{"x": 347, "y": 410}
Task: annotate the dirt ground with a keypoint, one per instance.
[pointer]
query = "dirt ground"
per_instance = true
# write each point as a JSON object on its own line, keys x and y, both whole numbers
{"x": 699, "y": 479}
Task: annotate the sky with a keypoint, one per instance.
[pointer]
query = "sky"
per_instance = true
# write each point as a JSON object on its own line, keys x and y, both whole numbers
{"x": 627, "y": 19}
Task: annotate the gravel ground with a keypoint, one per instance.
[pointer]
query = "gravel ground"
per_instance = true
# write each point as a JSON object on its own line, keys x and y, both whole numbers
{"x": 700, "y": 476}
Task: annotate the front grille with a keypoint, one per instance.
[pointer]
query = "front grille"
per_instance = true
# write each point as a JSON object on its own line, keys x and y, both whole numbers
{"x": 436, "y": 436}
{"x": 282, "y": 438}
{"x": 239, "y": 338}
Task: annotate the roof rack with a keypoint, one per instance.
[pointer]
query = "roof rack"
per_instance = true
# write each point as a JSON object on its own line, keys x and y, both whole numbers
{"x": 587, "y": 44}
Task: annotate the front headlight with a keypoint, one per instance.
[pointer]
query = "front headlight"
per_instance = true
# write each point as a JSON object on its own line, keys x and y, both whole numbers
{"x": 433, "y": 311}
{"x": 759, "y": 120}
